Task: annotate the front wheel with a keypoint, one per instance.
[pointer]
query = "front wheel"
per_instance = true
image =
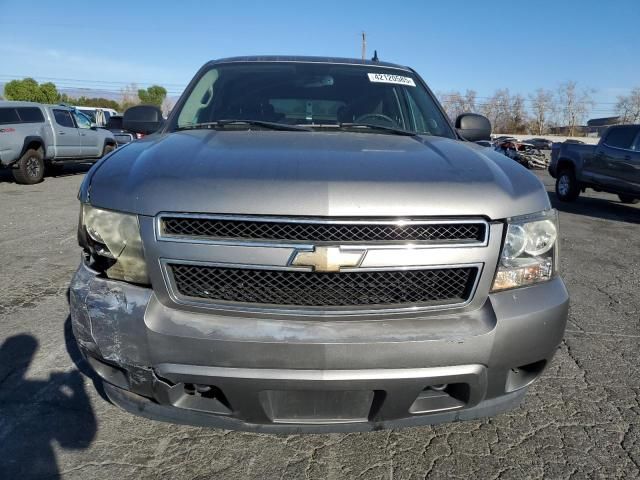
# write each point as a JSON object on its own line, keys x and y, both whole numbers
{"x": 628, "y": 199}
{"x": 567, "y": 188}
{"x": 30, "y": 168}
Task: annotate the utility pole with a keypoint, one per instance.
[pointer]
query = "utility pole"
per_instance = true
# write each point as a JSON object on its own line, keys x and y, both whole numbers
{"x": 364, "y": 46}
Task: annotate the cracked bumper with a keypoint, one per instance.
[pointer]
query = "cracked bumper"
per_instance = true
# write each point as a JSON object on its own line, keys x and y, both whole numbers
{"x": 285, "y": 375}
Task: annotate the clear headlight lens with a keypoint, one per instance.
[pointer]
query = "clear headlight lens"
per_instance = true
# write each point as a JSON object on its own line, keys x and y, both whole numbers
{"x": 116, "y": 238}
{"x": 529, "y": 252}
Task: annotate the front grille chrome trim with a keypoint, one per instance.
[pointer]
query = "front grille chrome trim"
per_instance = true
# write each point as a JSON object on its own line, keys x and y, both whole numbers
{"x": 305, "y": 310}
{"x": 162, "y": 236}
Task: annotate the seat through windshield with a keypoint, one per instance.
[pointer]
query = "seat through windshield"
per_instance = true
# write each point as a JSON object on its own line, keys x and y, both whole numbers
{"x": 315, "y": 95}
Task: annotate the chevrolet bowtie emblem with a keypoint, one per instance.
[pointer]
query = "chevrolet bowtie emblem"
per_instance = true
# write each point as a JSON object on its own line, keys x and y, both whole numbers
{"x": 327, "y": 259}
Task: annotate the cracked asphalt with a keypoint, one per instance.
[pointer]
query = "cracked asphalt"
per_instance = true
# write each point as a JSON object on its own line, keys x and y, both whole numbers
{"x": 580, "y": 420}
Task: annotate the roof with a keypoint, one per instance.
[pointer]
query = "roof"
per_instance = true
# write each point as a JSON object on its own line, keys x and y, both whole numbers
{"x": 303, "y": 59}
{"x": 17, "y": 103}
{"x": 603, "y": 122}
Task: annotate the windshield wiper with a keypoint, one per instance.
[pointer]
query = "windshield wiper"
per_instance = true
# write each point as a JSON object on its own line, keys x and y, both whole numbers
{"x": 397, "y": 131}
{"x": 258, "y": 123}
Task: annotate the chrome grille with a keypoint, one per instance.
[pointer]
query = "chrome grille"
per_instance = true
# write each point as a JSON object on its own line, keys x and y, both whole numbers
{"x": 317, "y": 231}
{"x": 316, "y": 289}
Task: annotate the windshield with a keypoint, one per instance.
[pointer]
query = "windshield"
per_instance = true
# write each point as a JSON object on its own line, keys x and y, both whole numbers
{"x": 315, "y": 95}
{"x": 91, "y": 114}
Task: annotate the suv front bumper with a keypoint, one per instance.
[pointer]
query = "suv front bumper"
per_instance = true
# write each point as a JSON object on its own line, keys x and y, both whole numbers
{"x": 296, "y": 374}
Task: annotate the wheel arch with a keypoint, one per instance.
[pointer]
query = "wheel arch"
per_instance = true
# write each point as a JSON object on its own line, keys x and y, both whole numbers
{"x": 565, "y": 163}
{"x": 34, "y": 142}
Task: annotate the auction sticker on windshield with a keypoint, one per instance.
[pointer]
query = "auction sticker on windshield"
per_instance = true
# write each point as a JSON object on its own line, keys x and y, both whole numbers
{"x": 388, "y": 78}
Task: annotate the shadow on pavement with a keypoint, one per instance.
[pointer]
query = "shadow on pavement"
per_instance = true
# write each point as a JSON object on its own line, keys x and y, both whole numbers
{"x": 38, "y": 413}
{"x": 62, "y": 170}
{"x": 598, "y": 208}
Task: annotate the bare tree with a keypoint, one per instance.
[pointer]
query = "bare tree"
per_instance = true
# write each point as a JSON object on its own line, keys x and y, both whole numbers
{"x": 506, "y": 112}
{"x": 129, "y": 96}
{"x": 542, "y": 108}
{"x": 454, "y": 103}
{"x": 494, "y": 109}
{"x": 628, "y": 107}
{"x": 574, "y": 105}
{"x": 517, "y": 114}
{"x": 167, "y": 105}
{"x": 469, "y": 102}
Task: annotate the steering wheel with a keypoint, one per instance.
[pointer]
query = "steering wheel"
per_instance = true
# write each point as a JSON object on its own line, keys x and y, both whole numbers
{"x": 362, "y": 118}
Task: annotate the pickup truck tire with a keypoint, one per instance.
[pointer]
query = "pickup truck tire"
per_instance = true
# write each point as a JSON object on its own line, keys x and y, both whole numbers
{"x": 107, "y": 149}
{"x": 628, "y": 199}
{"x": 30, "y": 168}
{"x": 567, "y": 187}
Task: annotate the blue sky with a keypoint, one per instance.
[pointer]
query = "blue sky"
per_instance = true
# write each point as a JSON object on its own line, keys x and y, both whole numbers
{"x": 454, "y": 45}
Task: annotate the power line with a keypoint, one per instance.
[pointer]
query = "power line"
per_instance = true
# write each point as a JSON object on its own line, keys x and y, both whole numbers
{"x": 84, "y": 81}
{"x": 528, "y": 100}
{"x": 174, "y": 89}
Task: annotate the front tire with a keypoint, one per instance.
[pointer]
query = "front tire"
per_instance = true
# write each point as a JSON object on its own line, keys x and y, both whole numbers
{"x": 628, "y": 199}
{"x": 567, "y": 188}
{"x": 30, "y": 168}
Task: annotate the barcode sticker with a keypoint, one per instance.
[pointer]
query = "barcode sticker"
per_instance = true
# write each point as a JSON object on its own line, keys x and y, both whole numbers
{"x": 388, "y": 78}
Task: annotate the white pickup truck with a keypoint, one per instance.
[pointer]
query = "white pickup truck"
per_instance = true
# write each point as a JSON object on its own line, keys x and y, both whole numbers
{"x": 34, "y": 135}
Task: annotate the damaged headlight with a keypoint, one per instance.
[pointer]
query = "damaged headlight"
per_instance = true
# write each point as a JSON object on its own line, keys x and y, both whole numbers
{"x": 113, "y": 241}
{"x": 529, "y": 253}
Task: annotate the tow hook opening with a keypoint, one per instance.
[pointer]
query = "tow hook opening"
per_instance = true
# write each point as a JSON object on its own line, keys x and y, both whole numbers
{"x": 523, "y": 376}
{"x": 441, "y": 397}
{"x": 206, "y": 391}
{"x": 192, "y": 396}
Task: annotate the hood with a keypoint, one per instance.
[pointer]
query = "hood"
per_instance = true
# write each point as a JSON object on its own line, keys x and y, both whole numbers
{"x": 312, "y": 174}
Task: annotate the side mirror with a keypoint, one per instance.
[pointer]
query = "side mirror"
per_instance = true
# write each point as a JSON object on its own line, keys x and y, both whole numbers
{"x": 473, "y": 127}
{"x": 144, "y": 119}
{"x": 94, "y": 126}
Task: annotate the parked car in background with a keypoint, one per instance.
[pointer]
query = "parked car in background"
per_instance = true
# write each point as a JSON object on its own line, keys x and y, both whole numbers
{"x": 525, "y": 154}
{"x": 504, "y": 138}
{"x": 98, "y": 115}
{"x": 34, "y": 135}
{"x": 122, "y": 136}
{"x": 573, "y": 140}
{"x": 308, "y": 244}
{"x": 539, "y": 143}
{"x": 613, "y": 165}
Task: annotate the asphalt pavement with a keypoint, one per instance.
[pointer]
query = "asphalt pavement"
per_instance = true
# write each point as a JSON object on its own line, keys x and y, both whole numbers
{"x": 580, "y": 420}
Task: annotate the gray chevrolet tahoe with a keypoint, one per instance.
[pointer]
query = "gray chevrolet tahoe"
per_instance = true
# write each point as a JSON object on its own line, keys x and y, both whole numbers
{"x": 34, "y": 136}
{"x": 308, "y": 244}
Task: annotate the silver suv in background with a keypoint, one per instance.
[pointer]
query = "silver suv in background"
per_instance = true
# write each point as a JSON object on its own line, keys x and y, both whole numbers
{"x": 308, "y": 244}
{"x": 34, "y": 135}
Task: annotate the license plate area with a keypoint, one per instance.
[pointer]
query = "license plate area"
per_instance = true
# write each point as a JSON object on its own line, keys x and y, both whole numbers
{"x": 317, "y": 406}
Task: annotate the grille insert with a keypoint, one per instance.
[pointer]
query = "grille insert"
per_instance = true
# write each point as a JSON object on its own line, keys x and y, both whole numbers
{"x": 320, "y": 289}
{"x": 314, "y": 232}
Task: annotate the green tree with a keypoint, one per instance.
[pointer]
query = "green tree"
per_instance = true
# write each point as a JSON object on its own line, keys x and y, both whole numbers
{"x": 154, "y": 95}
{"x": 29, "y": 90}
{"x": 93, "y": 102}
